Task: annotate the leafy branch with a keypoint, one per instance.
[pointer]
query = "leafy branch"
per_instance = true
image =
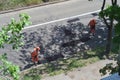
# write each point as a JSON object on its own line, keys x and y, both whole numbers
{"x": 11, "y": 34}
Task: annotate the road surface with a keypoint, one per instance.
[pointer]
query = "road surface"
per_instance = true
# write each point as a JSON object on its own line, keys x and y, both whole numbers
{"x": 47, "y": 35}
{"x": 54, "y": 11}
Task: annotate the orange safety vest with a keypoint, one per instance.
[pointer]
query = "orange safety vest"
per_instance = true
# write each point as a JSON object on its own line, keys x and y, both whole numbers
{"x": 92, "y": 22}
{"x": 92, "y": 25}
{"x": 34, "y": 54}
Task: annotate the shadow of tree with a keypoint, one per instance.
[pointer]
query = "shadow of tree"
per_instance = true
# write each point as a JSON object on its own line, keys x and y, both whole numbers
{"x": 62, "y": 41}
{"x": 60, "y": 66}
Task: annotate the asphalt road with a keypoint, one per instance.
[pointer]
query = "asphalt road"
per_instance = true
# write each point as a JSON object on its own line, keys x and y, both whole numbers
{"x": 50, "y": 36}
{"x": 54, "y": 11}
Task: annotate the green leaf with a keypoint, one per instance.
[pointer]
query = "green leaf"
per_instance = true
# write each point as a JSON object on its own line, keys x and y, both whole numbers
{"x": 11, "y": 34}
{"x": 117, "y": 29}
{"x": 116, "y": 39}
{"x": 1, "y": 67}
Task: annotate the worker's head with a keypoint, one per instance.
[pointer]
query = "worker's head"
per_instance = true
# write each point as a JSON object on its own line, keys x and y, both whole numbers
{"x": 93, "y": 19}
{"x": 37, "y": 48}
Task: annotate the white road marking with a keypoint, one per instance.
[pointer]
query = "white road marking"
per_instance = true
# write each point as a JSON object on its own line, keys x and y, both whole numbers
{"x": 41, "y": 24}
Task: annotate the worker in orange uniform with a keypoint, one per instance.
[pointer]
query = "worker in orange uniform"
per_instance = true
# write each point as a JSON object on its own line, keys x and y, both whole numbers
{"x": 34, "y": 55}
{"x": 92, "y": 24}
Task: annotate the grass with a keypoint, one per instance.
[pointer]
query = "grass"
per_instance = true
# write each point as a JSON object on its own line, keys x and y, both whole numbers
{"x": 13, "y": 4}
{"x": 32, "y": 77}
{"x": 66, "y": 65}
{"x": 62, "y": 66}
{"x": 78, "y": 60}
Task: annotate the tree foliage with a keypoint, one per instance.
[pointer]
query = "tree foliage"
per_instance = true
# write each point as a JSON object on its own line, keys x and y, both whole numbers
{"x": 11, "y": 34}
{"x": 113, "y": 13}
{"x": 109, "y": 12}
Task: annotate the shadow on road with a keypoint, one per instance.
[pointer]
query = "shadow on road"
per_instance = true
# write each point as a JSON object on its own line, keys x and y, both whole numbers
{"x": 62, "y": 40}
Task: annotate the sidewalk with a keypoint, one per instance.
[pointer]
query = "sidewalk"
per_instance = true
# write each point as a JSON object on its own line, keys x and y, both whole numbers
{"x": 90, "y": 72}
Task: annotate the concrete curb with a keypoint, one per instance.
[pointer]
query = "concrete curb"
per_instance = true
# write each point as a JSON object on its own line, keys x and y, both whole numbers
{"x": 43, "y": 4}
{"x": 28, "y": 69}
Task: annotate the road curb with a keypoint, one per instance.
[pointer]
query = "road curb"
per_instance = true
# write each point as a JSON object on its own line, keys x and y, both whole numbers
{"x": 28, "y": 7}
{"x": 24, "y": 71}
